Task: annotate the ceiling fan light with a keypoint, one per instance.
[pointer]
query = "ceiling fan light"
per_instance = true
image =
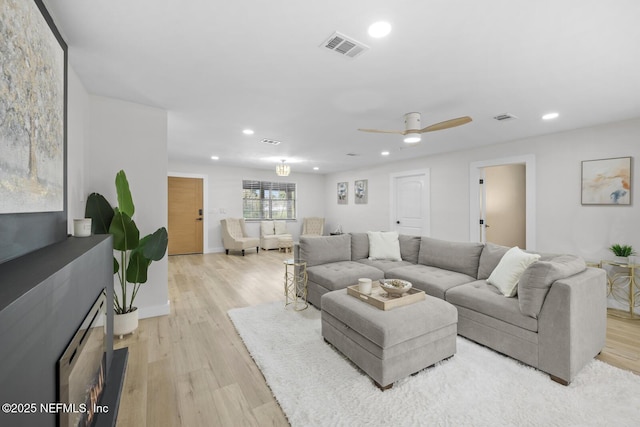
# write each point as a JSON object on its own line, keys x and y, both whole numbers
{"x": 412, "y": 138}
{"x": 283, "y": 170}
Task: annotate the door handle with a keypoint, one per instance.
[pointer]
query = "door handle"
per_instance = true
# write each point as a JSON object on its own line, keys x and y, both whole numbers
{"x": 198, "y": 219}
{"x": 397, "y": 222}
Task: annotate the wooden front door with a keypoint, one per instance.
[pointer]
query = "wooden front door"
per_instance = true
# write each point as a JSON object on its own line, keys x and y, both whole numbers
{"x": 185, "y": 216}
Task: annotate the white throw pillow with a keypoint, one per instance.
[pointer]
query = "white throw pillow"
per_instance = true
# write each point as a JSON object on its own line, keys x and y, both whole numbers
{"x": 267, "y": 228}
{"x": 507, "y": 273}
{"x": 384, "y": 245}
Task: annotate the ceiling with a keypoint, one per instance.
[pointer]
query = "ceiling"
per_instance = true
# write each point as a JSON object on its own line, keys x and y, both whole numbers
{"x": 219, "y": 67}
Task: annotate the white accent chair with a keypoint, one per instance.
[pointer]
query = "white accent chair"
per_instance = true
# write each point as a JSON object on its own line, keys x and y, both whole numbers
{"x": 234, "y": 236}
{"x": 271, "y": 232}
{"x": 312, "y": 226}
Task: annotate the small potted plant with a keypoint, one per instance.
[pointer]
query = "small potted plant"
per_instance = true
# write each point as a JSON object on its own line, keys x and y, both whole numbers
{"x": 134, "y": 254}
{"x": 622, "y": 252}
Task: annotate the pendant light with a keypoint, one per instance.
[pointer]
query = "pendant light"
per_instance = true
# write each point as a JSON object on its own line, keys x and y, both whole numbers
{"x": 283, "y": 170}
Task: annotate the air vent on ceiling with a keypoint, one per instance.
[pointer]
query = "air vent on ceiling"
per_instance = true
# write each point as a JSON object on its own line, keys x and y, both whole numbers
{"x": 345, "y": 46}
{"x": 270, "y": 141}
{"x": 504, "y": 117}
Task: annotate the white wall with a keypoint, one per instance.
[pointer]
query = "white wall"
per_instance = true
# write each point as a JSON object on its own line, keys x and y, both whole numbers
{"x": 225, "y": 196}
{"x": 77, "y": 121}
{"x": 132, "y": 137}
{"x": 563, "y": 224}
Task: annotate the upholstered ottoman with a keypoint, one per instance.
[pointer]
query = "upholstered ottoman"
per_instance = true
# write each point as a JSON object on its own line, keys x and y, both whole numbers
{"x": 389, "y": 345}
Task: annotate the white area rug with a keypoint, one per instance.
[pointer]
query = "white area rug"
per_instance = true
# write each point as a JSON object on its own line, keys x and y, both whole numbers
{"x": 316, "y": 386}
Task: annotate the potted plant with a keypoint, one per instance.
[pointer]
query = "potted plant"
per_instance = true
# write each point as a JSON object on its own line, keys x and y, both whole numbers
{"x": 133, "y": 254}
{"x": 622, "y": 252}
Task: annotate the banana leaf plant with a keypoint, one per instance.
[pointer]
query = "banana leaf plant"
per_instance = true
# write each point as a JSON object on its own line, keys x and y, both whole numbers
{"x": 135, "y": 254}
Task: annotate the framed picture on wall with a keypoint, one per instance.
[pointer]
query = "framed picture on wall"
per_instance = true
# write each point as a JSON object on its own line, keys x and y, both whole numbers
{"x": 33, "y": 107}
{"x": 361, "y": 192}
{"x": 343, "y": 193}
{"x": 606, "y": 181}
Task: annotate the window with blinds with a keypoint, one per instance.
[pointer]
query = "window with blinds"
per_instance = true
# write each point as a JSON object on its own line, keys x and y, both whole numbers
{"x": 268, "y": 200}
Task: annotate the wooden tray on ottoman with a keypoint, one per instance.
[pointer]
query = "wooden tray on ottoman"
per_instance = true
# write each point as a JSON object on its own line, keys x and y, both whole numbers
{"x": 380, "y": 300}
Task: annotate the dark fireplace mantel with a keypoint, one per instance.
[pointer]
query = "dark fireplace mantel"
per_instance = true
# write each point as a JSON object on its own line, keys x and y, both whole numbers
{"x": 44, "y": 297}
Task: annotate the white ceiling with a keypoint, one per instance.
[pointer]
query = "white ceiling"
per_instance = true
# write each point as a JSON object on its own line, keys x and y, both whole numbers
{"x": 218, "y": 67}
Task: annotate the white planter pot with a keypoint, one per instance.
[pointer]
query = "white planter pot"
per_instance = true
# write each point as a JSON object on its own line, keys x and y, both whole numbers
{"x": 621, "y": 259}
{"x": 126, "y": 323}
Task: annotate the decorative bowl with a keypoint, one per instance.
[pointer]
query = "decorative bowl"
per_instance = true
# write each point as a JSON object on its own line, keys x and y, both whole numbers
{"x": 395, "y": 287}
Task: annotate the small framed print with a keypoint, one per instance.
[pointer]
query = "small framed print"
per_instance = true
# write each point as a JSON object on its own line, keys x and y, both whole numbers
{"x": 606, "y": 181}
{"x": 361, "y": 192}
{"x": 343, "y": 193}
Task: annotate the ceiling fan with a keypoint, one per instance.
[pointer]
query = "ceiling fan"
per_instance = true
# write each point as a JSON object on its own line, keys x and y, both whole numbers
{"x": 413, "y": 131}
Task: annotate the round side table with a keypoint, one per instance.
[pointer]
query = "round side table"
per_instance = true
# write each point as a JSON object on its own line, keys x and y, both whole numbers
{"x": 295, "y": 284}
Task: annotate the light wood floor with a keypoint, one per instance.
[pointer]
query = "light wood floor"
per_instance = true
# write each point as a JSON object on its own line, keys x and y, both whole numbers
{"x": 191, "y": 369}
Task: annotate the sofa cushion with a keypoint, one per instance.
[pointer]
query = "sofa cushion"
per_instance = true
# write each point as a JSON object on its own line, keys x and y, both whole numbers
{"x": 266, "y": 228}
{"x": 461, "y": 257}
{"x": 324, "y": 249}
{"x": 384, "y": 245}
{"x": 489, "y": 259}
{"x": 383, "y": 264}
{"x": 339, "y": 275}
{"x": 536, "y": 280}
{"x": 434, "y": 281}
{"x": 507, "y": 273}
{"x": 484, "y": 298}
{"x": 409, "y": 248}
{"x": 280, "y": 227}
{"x": 359, "y": 246}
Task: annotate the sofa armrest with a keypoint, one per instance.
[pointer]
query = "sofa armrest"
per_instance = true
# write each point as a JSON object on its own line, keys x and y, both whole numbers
{"x": 572, "y": 324}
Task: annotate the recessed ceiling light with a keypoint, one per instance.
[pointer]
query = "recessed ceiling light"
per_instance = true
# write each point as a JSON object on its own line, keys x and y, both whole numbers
{"x": 248, "y": 132}
{"x": 316, "y": 168}
{"x": 379, "y": 29}
{"x": 550, "y": 116}
{"x": 215, "y": 158}
{"x": 384, "y": 153}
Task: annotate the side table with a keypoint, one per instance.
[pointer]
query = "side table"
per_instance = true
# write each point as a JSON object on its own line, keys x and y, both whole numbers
{"x": 624, "y": 288}
{"x": 295, "y": 284}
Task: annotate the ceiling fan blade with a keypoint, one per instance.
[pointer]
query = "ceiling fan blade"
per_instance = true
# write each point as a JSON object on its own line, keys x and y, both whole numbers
{"x": 447, "y": 124}
{"x": 400, "y": 132}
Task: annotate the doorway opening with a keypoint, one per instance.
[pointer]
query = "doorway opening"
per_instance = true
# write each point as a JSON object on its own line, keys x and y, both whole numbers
{"x": 510, "y": 217}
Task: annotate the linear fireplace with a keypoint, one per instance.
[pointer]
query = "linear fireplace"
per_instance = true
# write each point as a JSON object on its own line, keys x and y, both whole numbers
{"x": 44, "y": 300}
{"x": 81, "y": 369}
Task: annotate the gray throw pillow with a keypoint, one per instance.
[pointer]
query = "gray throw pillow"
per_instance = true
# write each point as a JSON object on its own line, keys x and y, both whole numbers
{"x": 409, "y": 248}
{"x": 537, "y": 279}
{"x": 359, "y": 246}
{"x": 489, "y": 259}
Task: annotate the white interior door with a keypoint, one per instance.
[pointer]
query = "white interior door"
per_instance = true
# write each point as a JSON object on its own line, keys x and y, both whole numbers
{"x": 410, "y": 203}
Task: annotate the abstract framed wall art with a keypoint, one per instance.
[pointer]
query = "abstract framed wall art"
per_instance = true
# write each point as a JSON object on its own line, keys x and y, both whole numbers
{"x": 606, "y": 181}
{"x": 361, "y": 192}
{"x": 33, "y": 106}
{"x": 343, "y": 193}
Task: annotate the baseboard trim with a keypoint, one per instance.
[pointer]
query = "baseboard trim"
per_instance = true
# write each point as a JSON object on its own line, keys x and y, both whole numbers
{"x": 154, "y": 311}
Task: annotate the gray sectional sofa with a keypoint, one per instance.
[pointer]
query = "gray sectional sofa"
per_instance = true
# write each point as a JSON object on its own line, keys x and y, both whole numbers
{"x": 556, "y": 322}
